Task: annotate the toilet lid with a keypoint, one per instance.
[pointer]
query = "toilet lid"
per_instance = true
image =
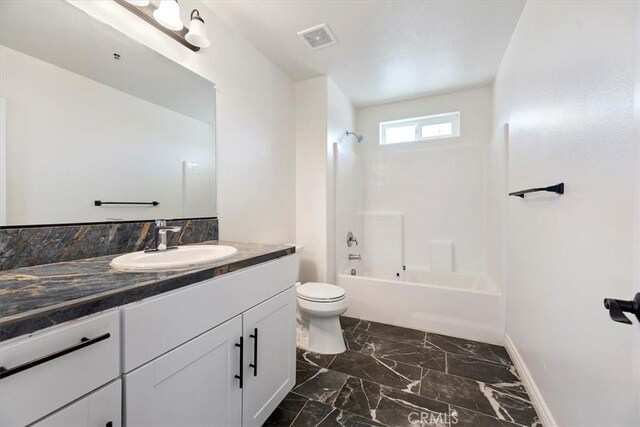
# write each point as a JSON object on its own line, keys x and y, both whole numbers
{"x": 314, "y": 291}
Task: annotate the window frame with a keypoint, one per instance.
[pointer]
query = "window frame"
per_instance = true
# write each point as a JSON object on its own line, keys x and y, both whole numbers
{"x": 432, "y": 119}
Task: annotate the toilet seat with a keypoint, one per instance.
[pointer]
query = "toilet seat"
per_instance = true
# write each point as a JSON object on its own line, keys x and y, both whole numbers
{"x": 320, "y": 292}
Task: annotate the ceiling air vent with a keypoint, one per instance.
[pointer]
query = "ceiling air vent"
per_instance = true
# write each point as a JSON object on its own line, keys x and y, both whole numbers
{"x": 318, "y": 37}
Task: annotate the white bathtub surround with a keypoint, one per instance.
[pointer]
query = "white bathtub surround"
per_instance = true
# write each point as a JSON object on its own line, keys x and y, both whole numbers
{"x": 566, "y": 87}
{"x": 438, "y": 185}
{"x": 421, "y": 217}
{"x": 464, "y": 305}
{"x": 441, "y": 256}
{"x": 381, "y": 244}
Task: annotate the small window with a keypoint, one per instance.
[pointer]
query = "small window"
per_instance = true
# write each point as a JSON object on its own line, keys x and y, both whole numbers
{"x": 420, "y": 129}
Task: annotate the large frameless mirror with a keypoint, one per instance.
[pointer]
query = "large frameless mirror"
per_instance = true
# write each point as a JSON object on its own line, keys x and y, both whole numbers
{"x": 95, "y": 126}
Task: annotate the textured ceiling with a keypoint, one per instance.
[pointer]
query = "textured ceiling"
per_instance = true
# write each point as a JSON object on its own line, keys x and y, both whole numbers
{"x": 387, "y": 50}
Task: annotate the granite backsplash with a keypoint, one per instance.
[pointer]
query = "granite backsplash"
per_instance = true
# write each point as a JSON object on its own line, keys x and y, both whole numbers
{"x": 34, "y": 245}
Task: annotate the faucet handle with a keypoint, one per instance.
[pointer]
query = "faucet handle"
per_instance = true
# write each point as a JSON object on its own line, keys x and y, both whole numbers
{"x": 161, "y": 222}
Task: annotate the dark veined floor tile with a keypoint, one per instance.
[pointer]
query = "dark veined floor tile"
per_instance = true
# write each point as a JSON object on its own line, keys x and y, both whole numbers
{"x": 315, "y": 359}
{"x": 480, "y": 370}
{"x": 479, "y": 350}
{"x": 348, "y": 323}
{"x": 287, "y": 410}
{"x": 312, "y": 414}
{"x": 478, "y": 397}
{"x": 390, "y": 332}
{"x": 382, "y": 371}
{"x": 323, "y": 386}
{"x": 389, "y": 406}
{"x": 355, "y": 340}
{"x": 428, "y": 358}
{"x": 461, "y": 417}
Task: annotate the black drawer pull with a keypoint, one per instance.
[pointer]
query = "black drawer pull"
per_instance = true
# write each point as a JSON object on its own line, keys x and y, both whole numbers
{"x": 254, "y": 365}
{"x": 241, "y": 345}
{"x": 109, "y": 424}
{"x": 84, "y": 342}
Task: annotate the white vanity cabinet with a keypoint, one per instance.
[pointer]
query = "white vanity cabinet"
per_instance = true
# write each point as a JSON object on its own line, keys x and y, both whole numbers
{"x": 52, "y": 368}
{"x": 102, "y": 408}
{"x": 192, "y": 385}
{"x": 216, "y": 353}
{"x": 269, "y": 356}
{"x": 217, "y": 371}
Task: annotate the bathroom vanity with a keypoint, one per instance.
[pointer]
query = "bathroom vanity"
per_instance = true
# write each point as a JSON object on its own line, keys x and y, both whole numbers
{"x": 213, "y": 346}
{"x": 82, "y": 343}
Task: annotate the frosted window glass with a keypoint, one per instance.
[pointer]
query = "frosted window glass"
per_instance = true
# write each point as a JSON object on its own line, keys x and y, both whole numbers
{"x": 439, "y": 129}
{"x": 400, "y": 134}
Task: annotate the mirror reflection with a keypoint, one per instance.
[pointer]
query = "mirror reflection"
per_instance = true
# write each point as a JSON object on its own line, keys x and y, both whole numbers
{"x": 96, "y": 127}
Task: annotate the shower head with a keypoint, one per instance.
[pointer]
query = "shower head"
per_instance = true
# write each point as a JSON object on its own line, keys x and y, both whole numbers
{"x": 359, "y": 137}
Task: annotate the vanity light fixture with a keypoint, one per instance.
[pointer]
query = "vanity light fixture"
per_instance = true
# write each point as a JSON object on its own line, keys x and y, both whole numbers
{"x": 140, "y": 3}
{"x": 166, "y": 17}
{"x": 197, "y": 34}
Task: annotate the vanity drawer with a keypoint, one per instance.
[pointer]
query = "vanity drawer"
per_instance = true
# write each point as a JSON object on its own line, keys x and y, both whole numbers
{"x": 153, "y": 327}
{"x": 54, "y": 367}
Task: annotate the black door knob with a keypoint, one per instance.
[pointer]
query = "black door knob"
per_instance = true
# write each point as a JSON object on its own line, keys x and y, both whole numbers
{"x": 618, "y": 307}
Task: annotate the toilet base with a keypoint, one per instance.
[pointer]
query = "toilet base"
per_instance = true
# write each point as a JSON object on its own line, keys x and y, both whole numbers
{"x": 322, "y": 335}
{"x": 325, "y": 336}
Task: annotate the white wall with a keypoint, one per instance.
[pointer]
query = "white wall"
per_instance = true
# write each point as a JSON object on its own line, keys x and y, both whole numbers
{"x": 437, "y": 185}
{"x": 566, "y": 88}
{"x": 323, "y": 114}
{"x": 101, "y": 150}
{"x": 340, "y": 118}
{"x": 3, "y": 162}
{"x": 255, "y": 122}
{"x": 635, "y": 373}
{"x": 311, "y": 178}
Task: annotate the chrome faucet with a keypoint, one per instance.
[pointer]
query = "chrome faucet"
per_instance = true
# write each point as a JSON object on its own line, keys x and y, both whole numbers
{"x": 161, "y": 236}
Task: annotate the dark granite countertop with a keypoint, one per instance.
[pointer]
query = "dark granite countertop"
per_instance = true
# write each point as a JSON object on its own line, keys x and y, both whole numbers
{"x": 33, "y": 298}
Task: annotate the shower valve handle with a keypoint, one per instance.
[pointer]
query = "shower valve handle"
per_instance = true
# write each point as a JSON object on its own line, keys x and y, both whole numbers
{"x": 351, "y": 240}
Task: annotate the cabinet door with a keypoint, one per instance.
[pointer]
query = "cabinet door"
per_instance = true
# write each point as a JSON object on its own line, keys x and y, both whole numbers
{"x": 269, "y": 356}
{"x": 192, "y": 385}
{"x": 101, "y": 408}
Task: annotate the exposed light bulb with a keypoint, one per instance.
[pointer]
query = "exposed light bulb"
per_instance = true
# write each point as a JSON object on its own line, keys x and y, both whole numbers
{"x": 168, "y": 15}
{"x": 139, "y": 3}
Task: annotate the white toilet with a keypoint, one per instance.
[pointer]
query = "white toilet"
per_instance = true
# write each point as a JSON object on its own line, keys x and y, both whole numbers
{"x": 319, "y": 308}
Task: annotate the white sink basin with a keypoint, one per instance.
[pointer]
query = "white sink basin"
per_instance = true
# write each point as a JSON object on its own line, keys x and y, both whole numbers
{"x": 183, "y": 257}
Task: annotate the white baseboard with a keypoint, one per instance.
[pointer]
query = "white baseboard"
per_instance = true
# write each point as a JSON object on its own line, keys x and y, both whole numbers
{"x": 534, "y": 393}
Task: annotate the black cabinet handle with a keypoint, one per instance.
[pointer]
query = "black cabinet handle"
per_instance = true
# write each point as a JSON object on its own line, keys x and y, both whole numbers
{"x": 254, "y": 365}
{"x": 241, "y": 345}
{"x": 84, "y": 342}
{"x": 109, "y": 424}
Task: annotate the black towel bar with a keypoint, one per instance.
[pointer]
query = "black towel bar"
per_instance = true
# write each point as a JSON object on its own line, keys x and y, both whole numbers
{"x": 100, "y": 203}
{"x": 558, "y": 189}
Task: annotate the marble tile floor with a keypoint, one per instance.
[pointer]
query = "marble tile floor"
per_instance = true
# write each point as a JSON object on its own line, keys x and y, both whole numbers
{"x": 392, "y": 376}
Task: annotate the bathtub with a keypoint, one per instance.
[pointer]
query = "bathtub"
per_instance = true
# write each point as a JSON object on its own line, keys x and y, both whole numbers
{"x": 465, "y": 305}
